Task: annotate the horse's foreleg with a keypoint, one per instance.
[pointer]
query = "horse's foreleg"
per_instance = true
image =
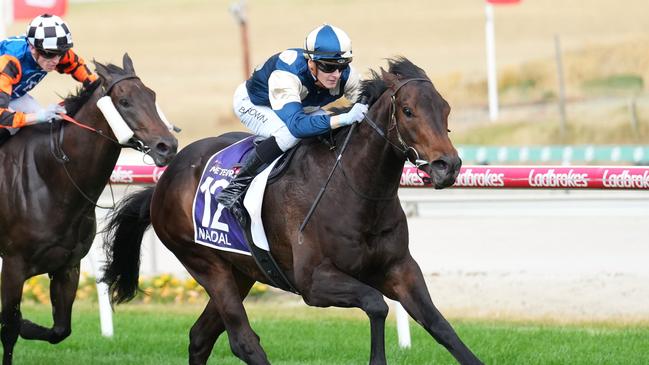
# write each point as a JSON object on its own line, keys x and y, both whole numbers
{"x": 63, "y": 289}
{"x": 406, "y": 284}
{"x": 11, "y": 283}
{"x": 331, "y": 287}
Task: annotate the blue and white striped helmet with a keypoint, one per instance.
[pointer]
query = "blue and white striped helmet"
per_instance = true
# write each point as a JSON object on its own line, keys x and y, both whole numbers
{"x": 328, "y": 43}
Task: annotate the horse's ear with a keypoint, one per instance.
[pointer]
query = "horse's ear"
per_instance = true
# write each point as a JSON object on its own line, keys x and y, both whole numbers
{"x": 102, "y": 70}
{"x": 127, "y": 64}
{"x": 390, "y": 79}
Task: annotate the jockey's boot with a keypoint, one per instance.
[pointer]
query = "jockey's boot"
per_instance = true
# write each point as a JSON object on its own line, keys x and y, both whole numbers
{"x": 231, "y": 195}
{"x": 263, "y": 154}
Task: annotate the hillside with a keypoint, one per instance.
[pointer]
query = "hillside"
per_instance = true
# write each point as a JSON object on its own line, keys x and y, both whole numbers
{"x": 189, "y": 52}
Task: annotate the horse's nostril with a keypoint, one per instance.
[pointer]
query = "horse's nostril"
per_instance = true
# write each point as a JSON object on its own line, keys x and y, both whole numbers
{"x": 162, "y": 147}
{"x": 439, "y": 165}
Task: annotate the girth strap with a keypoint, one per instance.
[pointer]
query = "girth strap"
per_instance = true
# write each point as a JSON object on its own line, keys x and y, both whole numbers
{"x": 265, "y": 260}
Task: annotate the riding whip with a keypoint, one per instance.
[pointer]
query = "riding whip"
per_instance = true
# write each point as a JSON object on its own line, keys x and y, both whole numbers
{"x": 363, "y": 100}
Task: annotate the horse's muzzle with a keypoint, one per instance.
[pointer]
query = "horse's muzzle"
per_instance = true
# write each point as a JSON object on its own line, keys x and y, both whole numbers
{"x": 164, "y": 150}
{"x": 444, "y": 171}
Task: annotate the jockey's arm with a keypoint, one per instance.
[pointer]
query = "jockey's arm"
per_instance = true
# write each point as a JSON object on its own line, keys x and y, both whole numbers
{"x": 74, "y": 65}
{"x": 284, "y": 95}
{"x": 10, "y": 73}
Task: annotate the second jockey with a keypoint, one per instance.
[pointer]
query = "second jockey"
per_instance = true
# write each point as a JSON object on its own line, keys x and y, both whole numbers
{"x": 26, "y": 60}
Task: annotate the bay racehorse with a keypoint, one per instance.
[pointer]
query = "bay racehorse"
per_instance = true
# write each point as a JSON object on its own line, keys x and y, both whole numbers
{"x": 52, "y": 176}
{"x": 353, "y": 251}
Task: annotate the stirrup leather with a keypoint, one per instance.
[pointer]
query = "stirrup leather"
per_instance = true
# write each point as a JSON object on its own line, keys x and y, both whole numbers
{"x": 233, "y": 192}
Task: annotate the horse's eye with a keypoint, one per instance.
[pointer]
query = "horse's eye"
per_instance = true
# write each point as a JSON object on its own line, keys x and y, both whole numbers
{"x": 448, "y": 130}
{"x": 407, "y": 111}
{"x": 124, "y": 103}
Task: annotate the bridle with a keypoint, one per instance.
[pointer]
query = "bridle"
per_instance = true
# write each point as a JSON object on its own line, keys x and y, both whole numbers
{"x": 408, "y": 151}
{"x": 403, "y": 147}
{"x": 61, "y": 157}
{"x": 134, "y": 143}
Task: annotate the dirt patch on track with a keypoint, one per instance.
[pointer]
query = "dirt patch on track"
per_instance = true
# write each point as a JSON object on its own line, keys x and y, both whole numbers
{"x": 617, "y": 298}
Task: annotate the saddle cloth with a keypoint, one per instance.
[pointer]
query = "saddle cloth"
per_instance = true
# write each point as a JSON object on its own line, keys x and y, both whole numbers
{"x": 216, "y": 227}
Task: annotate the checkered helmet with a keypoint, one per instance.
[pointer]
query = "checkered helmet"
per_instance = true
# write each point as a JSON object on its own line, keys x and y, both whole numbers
{"x": 328, "y": 43}
{"x": 49, "y": 33}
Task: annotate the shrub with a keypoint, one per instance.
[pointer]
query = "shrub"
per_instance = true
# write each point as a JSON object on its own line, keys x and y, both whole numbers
{"x": 164, "y": 288}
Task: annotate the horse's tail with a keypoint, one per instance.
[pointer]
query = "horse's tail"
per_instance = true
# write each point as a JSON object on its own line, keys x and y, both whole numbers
{"x": 122, "y": 243}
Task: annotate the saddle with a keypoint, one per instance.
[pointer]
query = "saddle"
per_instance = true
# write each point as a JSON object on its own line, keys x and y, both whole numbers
{"x": 263, "y": 258}
{"x": 282, "y": 164}
{"x": 219, "y": 228}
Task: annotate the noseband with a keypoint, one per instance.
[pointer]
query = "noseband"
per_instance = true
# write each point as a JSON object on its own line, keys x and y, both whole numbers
{"x": 410, "y": 152}
{"x": 60, "y": 155}
{"x": 134, "y": 143}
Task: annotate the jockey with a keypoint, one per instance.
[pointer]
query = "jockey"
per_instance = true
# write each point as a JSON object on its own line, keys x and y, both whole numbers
{"x": 26, "y": 60}
{"x": 282, "y": 100}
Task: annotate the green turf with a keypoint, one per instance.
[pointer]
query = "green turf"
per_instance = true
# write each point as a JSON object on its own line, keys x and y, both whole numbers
{"x": 159, "y": 335}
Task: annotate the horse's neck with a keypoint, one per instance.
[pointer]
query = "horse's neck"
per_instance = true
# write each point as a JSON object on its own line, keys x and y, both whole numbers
{"x": 92, "y": 156}
{"x": 378, "y": 165}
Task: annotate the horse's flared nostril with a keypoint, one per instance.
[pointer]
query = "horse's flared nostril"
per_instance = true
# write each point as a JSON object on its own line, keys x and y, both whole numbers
{"x": 445, "y": 170}
{"x": 446, "y": 164}
{"x": 162, "y": 148}
{"x": 439, "y": 165}
{"x": 166, "y": 148}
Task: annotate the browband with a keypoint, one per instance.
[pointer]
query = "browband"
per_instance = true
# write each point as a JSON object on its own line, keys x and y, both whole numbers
{"x": 117, "y": 80}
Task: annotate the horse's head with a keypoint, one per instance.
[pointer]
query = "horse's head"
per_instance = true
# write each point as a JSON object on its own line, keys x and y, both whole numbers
{"x": 137, "y": 106}
{"x": 418, "y": 124}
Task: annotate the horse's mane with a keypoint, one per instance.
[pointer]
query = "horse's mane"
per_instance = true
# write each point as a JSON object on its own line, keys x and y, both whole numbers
{"x": 374, "y": 86}
{"x": 75, "y": 101}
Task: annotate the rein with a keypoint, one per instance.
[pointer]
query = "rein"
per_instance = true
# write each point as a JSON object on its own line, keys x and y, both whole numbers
{"x": 404, "y": 149}
{"x": 61, "y": 157}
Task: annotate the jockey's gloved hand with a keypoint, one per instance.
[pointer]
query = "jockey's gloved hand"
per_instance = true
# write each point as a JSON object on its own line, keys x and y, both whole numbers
{"x": 47, "y": 114}
{"x": 356, "y": 114}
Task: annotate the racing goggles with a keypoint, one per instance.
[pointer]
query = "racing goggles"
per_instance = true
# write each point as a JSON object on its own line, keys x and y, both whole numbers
{"x": 328, "y": 67}
{"x": 50, "y": 54}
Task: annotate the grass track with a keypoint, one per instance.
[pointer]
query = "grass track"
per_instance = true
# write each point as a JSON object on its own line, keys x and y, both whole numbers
{"x": 297, "y": 335}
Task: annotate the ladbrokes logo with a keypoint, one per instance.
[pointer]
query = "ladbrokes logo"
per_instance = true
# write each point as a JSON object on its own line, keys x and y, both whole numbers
{"x": 480, "y": 179}
{"x": 625, "y": 179}
{"x": 409, "y": 177}
{"x": 121, "y": 176}
{"x": 551, "y": 179}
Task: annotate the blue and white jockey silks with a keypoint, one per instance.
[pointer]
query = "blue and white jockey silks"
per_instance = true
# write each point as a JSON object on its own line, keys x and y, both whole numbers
{"x": 281, "y": 99}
